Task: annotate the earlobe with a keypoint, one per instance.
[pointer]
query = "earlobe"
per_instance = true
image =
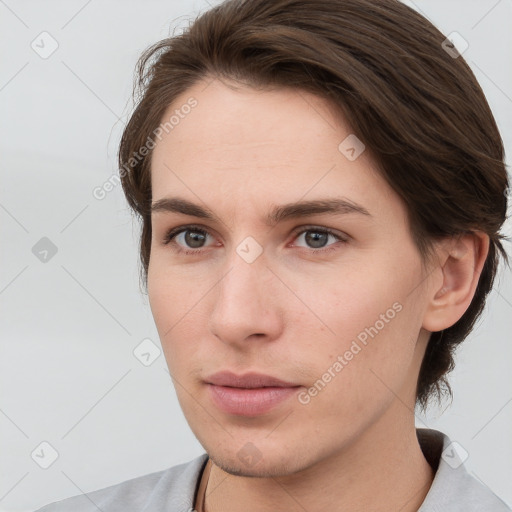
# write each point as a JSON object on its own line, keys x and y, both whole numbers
{"x": 461, "y": 263}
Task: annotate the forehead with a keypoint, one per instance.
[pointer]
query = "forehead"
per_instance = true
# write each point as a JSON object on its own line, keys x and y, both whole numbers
{"x": 250, "y": 145}
{"x": 282, "y": 121}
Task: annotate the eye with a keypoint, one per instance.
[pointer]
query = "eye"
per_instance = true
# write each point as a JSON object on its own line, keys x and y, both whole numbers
{"x": 318, "y": 237}
{"x": 195, "y": 240}
{"x": 190, "y": 239}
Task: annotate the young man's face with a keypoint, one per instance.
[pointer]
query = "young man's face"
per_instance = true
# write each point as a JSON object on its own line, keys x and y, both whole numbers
{"x": 340, "y": 319}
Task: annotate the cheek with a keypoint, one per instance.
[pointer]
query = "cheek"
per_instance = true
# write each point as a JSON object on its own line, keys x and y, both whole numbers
{"x": 368, "y": 341}
{"x": 173, "y": 294}
{"x": 173, "y": 306}
{"x": 355, "y": 381}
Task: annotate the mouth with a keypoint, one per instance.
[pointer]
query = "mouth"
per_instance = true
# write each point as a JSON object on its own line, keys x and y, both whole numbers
{"x": 251, "y": 394}
{"x": 250, "y": 380}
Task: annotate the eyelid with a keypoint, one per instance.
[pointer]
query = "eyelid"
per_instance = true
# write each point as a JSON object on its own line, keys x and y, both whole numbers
{"x": 312, "y": 227}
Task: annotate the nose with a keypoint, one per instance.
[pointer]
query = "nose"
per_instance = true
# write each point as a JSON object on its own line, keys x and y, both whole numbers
{"x": 247, "y": 304}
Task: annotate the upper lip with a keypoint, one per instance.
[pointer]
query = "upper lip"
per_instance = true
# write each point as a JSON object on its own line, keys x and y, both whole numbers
{"x": 248, "y": 380}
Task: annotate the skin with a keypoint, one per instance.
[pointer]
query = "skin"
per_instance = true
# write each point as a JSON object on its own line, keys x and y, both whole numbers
{"x": 293, "y": 310}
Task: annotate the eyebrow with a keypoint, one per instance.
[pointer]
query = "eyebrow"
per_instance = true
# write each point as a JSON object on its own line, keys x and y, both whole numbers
{"x": 332, "y": 206}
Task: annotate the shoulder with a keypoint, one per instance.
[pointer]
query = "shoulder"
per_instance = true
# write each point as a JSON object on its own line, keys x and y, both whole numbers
{"x": 170, "y": 489}
{"x": 454, "y": 489}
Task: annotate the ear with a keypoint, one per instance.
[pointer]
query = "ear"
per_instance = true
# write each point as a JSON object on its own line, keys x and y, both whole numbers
{"x": 461, "y": 261}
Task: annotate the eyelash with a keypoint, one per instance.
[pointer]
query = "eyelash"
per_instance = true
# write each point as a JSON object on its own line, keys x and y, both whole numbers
{"x": 173, "y": 233}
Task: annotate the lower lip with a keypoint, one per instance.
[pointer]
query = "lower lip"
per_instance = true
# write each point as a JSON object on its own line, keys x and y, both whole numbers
{"x": 249, "y": 402}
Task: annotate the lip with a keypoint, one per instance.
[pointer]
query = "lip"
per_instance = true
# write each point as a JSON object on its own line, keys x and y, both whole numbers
{"x": 247, "y": 380}
{"x": 250, "y": 394}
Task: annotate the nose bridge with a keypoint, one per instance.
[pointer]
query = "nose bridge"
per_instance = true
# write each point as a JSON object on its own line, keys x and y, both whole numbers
{"x": 247, "y": 259}
{"x": 245, "y": 300}
{"x": 247, "y": 281}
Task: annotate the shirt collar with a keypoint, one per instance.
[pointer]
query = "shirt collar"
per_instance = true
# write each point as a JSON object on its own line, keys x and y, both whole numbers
{"x": 453, "y": 488}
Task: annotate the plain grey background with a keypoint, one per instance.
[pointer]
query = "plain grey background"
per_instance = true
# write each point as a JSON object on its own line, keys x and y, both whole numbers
{"x": 70, "y": 324}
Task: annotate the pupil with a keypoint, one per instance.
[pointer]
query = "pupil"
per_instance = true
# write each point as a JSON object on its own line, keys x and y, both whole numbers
{"x": 196, "y": 236}
{"x": 315, "y": 238}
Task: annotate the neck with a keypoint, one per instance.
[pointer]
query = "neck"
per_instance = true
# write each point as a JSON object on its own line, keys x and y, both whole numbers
{"x": 384, "y": 469}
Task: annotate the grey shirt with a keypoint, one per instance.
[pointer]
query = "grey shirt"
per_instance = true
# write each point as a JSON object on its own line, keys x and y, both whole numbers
{"x": 174, "y": 489}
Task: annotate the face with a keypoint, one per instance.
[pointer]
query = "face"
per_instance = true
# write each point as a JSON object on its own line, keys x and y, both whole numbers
{"x": 331, "y": 302}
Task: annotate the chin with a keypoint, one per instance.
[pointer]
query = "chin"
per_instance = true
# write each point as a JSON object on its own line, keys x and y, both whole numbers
{"x": 258, "y": 467}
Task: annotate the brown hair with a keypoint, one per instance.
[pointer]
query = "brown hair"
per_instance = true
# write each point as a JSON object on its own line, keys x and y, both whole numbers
{"x": 417, "y": 107}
